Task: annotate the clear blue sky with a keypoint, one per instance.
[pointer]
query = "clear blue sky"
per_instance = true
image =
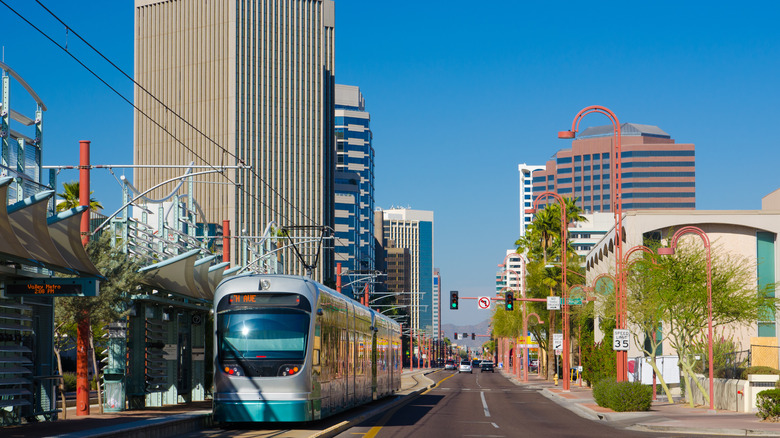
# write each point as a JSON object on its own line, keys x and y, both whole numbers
{"x": 461, "y": 92}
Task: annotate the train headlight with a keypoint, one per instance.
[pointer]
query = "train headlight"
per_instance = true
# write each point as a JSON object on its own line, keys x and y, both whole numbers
{"x": 233, "y": 370}
{"x": 288, "y": 370}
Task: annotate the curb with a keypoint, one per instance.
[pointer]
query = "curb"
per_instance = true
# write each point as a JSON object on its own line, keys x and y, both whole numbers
{"x": 709, "y": 432}
{"x": 575, "y": 407}
{"x": 399, "y": 401}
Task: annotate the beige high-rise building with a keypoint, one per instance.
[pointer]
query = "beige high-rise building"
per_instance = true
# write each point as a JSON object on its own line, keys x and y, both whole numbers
{"x": 256, "y": 78}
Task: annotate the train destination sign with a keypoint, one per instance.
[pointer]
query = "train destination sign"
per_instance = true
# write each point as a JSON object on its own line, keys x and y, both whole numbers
{"x": 252, "y": 300}
{"x": 53, "y": 287}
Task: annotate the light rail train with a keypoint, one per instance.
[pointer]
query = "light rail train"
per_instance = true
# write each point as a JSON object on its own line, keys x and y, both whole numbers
{"x": 288, "y": 349}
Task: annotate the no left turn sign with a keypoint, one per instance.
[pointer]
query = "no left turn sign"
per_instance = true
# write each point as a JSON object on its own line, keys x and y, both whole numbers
{"x": 483, "y": 302}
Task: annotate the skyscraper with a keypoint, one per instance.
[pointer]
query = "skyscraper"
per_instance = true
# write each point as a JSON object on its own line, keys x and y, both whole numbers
{"x": 657, "y": 173}
{"x": 526, "y": 193}
{"x": 254, "y": 82}
{"x": 413, "y": 229}
{"x": 354, "y": 244}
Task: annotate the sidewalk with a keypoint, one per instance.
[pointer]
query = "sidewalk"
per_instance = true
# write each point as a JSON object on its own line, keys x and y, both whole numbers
{"x": 662, "y": 416}
{"x": 166, "y": 421}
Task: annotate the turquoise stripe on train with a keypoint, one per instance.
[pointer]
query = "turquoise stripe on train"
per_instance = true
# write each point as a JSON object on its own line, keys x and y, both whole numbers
{"x": 246, "y": 411}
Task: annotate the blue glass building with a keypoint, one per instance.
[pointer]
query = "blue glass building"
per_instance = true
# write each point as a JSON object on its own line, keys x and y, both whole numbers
{"x": 354, "y": 245}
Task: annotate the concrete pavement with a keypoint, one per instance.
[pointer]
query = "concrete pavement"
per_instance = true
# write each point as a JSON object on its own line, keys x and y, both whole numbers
{"x": 662, "y": 417}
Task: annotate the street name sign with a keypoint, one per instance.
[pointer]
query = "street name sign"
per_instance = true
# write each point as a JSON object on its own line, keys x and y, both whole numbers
{"x": 553, "y": 303}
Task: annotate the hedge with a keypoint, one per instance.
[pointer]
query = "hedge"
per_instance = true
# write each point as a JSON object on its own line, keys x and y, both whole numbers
{"x": 768, "y": 404}
{"x": 623, "y": 396}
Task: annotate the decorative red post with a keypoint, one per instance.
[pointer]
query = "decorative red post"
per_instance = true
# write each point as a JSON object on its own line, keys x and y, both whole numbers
{"x": 338, "y": 277}
{"x": 226, "y": 241}
{"x": 82, "y": 335}
{"x": 670, "y": 251}
{"x": 617, "y": 186}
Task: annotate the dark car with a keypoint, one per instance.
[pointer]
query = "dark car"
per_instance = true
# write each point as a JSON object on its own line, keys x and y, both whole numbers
{"x": 486, "y": 366}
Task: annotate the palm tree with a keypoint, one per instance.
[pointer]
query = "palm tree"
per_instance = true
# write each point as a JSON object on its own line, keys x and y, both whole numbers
{"x": 71, "y": 198}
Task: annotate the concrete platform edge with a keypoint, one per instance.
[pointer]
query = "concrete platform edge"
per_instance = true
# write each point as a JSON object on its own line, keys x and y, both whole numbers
{"x": 153, "y": 427}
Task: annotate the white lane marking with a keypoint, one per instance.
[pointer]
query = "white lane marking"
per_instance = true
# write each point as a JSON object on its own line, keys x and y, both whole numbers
{"x": 484, "y": 404}
{"x": 495, "y": 425}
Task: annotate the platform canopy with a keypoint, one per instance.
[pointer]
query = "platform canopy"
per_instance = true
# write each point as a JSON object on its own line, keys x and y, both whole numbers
{"x": 186, "y": 275}
{"x": 30, "y": 237}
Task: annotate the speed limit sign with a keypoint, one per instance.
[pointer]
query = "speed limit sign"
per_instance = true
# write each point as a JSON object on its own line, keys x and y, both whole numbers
{"x": 620, "y": 339}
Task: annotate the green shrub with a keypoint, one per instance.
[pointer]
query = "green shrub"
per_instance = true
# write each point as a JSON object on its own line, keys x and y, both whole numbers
{"x": 70, "y": 381}
{"x": 768, "y": 404}
{"x": 600, "y": 391}
{"x": 629, "y": 396}
{"x": 599, "y": 362}
{"x": 758, "y": 370}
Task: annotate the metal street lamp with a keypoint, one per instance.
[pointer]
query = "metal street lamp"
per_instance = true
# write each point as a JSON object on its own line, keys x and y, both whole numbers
{"x": 564, "y": 289}
{"x": 620, "y": 304}
{"x": 670, "y": 251}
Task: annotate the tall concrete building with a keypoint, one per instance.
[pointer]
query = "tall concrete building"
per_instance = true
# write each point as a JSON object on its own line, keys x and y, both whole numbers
{"x": 254, "y": 81}
{"x": 413, "y": 229}
{"x": 657, "y": 173}
{"x": 354, "y": 244}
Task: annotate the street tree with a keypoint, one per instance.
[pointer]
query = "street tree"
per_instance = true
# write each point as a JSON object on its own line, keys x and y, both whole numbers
{"x": 120, "y": 278}
{"x": 681, "y": 284}
{"x": 646, "y": 313}
{"x": 542, "y": 246}
{"x": 70, "y": 196}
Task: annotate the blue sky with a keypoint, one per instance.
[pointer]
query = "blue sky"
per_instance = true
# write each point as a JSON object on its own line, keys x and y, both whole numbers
{"x": 460, "y": 95}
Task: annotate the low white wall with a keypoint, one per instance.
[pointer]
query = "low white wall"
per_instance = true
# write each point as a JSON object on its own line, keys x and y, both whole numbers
{"x": 731, "y": 394}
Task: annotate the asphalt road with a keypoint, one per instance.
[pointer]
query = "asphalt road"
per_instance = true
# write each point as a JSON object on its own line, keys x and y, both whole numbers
{"x": 482, "y": 405}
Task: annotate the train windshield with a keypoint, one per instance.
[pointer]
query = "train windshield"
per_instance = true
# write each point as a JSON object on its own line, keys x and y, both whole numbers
{"x": 277, "y": 334}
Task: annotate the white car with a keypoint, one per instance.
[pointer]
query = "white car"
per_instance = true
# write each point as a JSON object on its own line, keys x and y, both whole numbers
{"x": 464, "y": 367}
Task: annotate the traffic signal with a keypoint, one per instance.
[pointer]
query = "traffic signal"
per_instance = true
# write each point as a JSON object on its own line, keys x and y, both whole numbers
{"x": 456, "y": 336}
{"x": 509, "y": 301}
{"x": 473, "y": 336}
{"x": 454, "y": 300}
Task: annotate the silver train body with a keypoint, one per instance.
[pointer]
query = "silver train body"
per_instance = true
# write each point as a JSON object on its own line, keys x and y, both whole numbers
{"x": 288, "y": 349}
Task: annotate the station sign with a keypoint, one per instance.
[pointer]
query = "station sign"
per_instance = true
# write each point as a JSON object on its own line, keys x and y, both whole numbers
{"x": 52, "y": 287}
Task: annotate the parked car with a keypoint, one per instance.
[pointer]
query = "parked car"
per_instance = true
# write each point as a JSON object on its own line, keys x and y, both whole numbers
{"x": 486, "y": 365}
{"x": 464, "y": 367}
{"x": 450, "y": 365}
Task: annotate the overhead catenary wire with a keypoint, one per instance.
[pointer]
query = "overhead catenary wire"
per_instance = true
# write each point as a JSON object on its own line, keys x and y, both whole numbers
{"x": 167, "y": 108}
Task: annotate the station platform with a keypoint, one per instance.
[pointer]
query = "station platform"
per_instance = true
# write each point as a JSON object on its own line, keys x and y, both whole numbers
{"x": 170, "y": 421}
